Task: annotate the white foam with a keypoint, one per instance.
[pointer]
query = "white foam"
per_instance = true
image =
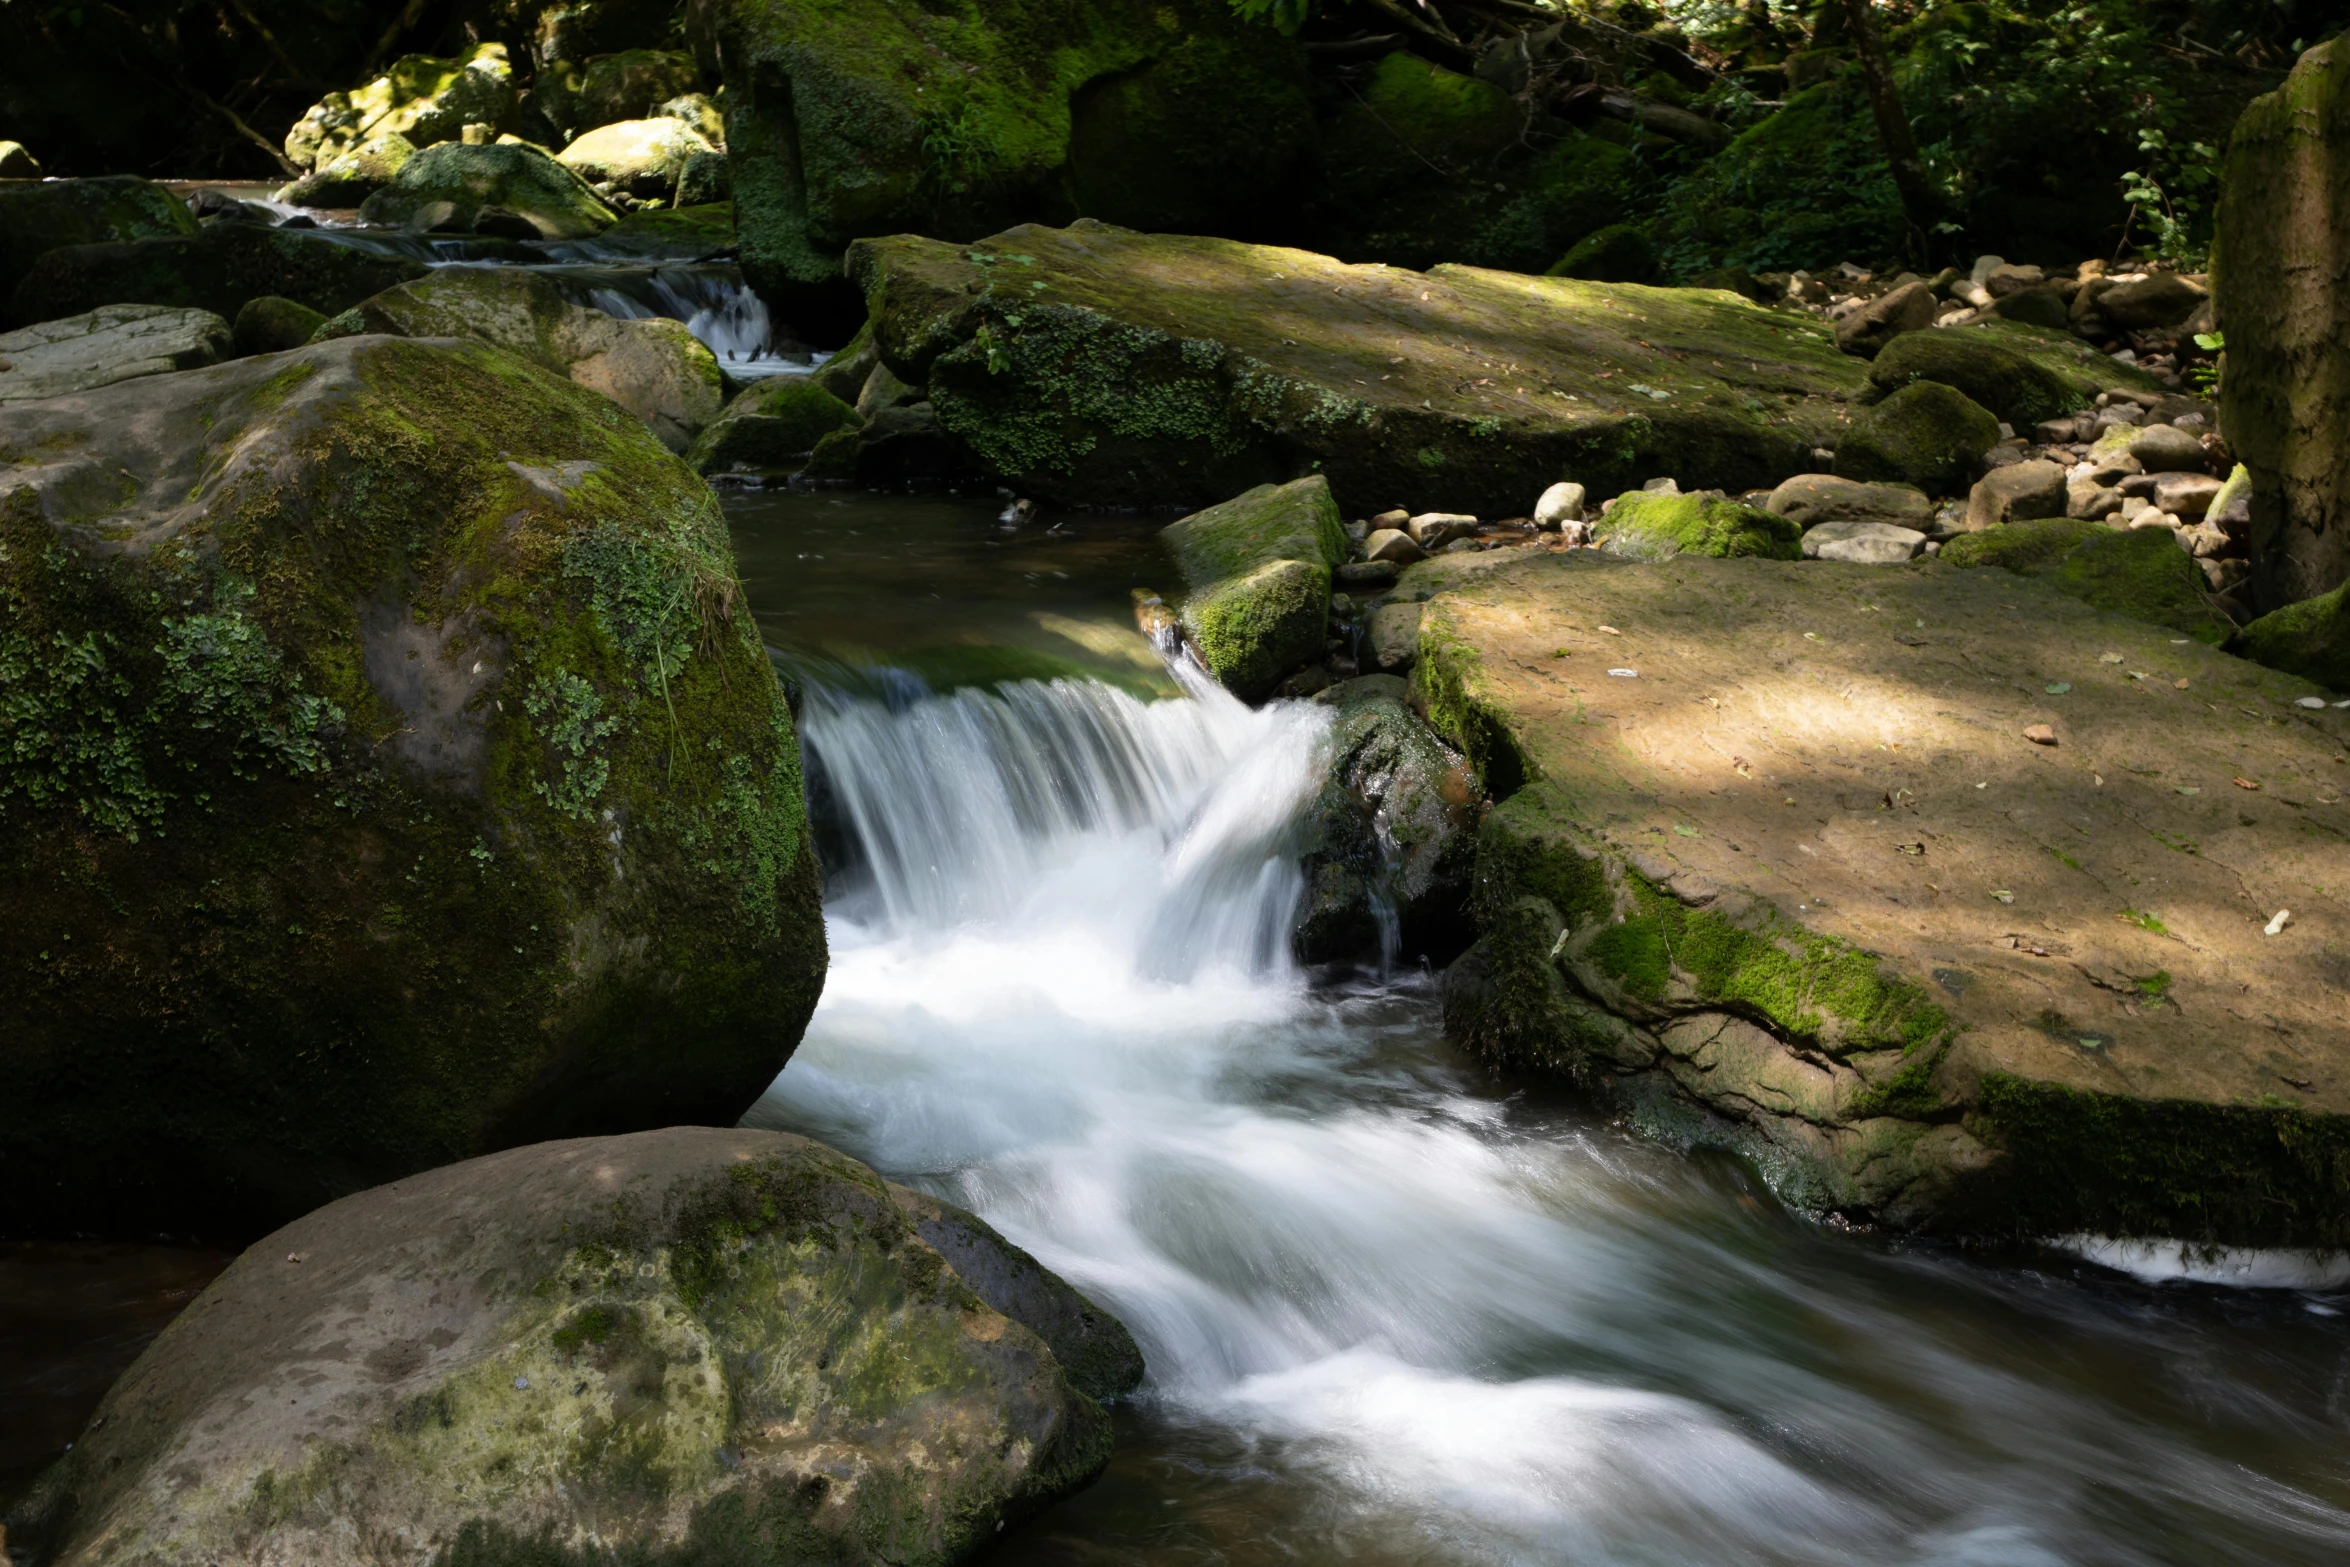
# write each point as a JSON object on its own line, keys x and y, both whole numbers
{"x": 2195, "y": 1262}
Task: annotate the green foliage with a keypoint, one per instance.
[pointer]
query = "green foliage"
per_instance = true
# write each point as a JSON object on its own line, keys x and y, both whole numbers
{"x": 574, "y": 723}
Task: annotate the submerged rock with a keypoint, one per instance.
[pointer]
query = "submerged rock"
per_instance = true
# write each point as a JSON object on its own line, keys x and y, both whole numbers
{"x": 456, "y": 186}
{"x": 393, "y": 774}
{"x": 36, "y": 218}
{"x": 218, "y": 270}
{"x": 680, "y": 1344}
{"x": 1258, "y": 567}
{"x": 1907, "y": 998}
{"x": 110, "y": 344}
{"x": 1094, "y": 364}
{"x": 1390, "y": 836}
{"x": 655, "y": 368}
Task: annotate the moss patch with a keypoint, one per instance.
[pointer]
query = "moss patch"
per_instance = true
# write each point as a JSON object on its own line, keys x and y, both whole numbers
{"x": 2007, "y": 383}
{"x": 1653, "y": 527}
{"x": 1926, "y": 434}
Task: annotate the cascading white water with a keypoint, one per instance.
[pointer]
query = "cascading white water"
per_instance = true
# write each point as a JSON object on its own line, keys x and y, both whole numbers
{"x": 717, "y": 307}
{"x": 1440, "y": 1331}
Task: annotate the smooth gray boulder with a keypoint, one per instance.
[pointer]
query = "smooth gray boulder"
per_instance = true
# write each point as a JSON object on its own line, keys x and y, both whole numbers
{"x": 112, "y": 343}
{"x": 1863, "y": 543}
{"x": 695, "y": 1344}
{"x": 1809, "y": 499}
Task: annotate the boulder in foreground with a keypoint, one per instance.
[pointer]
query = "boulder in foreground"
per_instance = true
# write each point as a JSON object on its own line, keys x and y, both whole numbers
{"x": 391, "y": 774}
{"x": 1093, "y": 364}
{"x": 682, "y": 1345}
{"x": 1803, "y": 885}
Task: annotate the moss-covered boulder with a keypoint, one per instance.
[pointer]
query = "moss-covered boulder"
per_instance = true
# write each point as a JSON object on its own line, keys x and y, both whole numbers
{"x": 2140, "y": 572}
{"x": 1804, "y": 889}
{"x": 655, "y": 368}
{"x": 457, "y": 186}
{"x": 682, "y": 1345}
{"x": 642, "y": 157}
{"x": 671, "y": 233}
{"x": 773, "y": 426}
{"x": 38, "y": 217}
{"x": 2283, "y": 241}
{"x": 872, "y": 117}
{"x": 420, "y": 99}
{"x": 2011, "y": 386}
{"x": 1420, "y": 165}
{"x": 1619, "y": 253}
{"x": 1926, "y": 434}
{"x": 1648, "y": 526}
{"x": 1098, "y": 365}
{"x": 1389, "y": 837}
{"x": 1258, "y": 567}
{"x": 391, "y": 772}
{"x": 2310, "y": 639}
{"x": 110, "y": 344}
{"x": 218, "y": 270}
{"x": 347, "y": 176}
{"x": 271, "y": 325}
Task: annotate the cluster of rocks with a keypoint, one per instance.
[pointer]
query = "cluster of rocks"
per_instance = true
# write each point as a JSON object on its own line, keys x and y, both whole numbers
{"x": 635, "y": 127}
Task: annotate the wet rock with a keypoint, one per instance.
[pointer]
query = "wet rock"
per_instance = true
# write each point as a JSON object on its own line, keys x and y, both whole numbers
{"x": 1810, "y": 499}
{"x": 52, "y": 214}
{"x": 451, "y": 187}
{"x": 1909, "y": 308}
{"x": 786, "y": 1347}
{"x": 420, "y": 100}
{"x": 1659, "y": 524}
{"x": 654, "y": 368}
{"x": 218, "y": 269}
{"x": 2161, "y": 299}
{"x": 1863, "y": 543}
{"x": 1259, "y": 567}
{"x": 1927, "y": 435}
{"x": 643, "y": 157}
{"x": 1395, "y": 637}
{"x": 2015, "y": 492}
{"x": 110, "y": 344}
{"x": 270, "y": 325}
{"x": 1389, "y": 838}
{"x": 2161, "y": 448}
{"x": 2017, "y": 388}
{"x": 1868, "y": 1029}
{"x": 1166, "y": 366}
{"x": 772, "y": 426}
{"x": 422, "y": 787}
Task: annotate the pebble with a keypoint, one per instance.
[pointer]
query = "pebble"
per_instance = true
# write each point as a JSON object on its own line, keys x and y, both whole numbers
{"x": 2040, "y": 734}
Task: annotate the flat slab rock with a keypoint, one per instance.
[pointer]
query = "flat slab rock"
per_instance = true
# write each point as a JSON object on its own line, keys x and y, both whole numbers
{"x": 1835, "y": 751}
{"x": 100, "y": 347}
{"x": 1096, "y": 364}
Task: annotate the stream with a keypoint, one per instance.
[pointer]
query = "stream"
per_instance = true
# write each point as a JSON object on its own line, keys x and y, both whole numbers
{"x": 1395, "y": 1311}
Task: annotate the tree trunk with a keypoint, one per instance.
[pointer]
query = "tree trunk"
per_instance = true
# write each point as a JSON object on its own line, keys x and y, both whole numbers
{"x": 1901, "y": 149}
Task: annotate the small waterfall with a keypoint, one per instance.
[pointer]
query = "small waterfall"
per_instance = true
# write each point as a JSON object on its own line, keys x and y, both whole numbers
{"x": 716, "y": 306}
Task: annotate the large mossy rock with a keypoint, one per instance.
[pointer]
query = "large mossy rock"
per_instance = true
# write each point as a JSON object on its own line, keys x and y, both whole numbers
{"x": 2310, "y": 639}
{"x": 1927, "y": 434}
{"x": 1258, "y": 567}
{"x": 1804, "y": 889}
{"x": 420, "y": 99}
{"x": 38, "y": 217}
{"x": 1389, "y": 838}
{"x": 2012, "y": 386}
{"x": 389, "y": 772}
{"x": 456, "y": 186}
{"x": 1658, "y": 526}
{"x": 957, "y": 118}
{"x": 217, "y": 270}
{"x": 2282, "y": 247}
{"x": 1094, "y": 364}
{"x": 654, "y": 367}
{"x": 772, "y": 426}
{"x": 2138, "y": 572}
{"x": 689, "y": 1345}
{"x": 114, "y": 343}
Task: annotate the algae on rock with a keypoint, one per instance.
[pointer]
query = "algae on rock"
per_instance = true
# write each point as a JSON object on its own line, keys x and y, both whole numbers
{"x": 692, "y": 1344}
{"x": 392, "y": 773}
{"x": 1258, "y": 567}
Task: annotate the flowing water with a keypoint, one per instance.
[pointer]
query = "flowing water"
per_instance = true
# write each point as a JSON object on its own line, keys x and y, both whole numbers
{"x": 1395, "y": 1312}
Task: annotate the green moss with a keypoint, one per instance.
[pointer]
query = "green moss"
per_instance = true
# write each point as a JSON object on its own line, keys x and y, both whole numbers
{"x": 1297, "y": 521}
{"x": 2029, "y": 549}
{"x": 2103, "y": 1164}
{"x": 2011, "y": 386}
{"x": 2310, "y": 639}
{"x": 776, "y": 424}
{"x": 1926, "y": 434}
{"x": 1252, "y": 629}
{"x": 2142, "y": 573}
{"x": 1656, "y": 526}
{"x": 453, "y": 181}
